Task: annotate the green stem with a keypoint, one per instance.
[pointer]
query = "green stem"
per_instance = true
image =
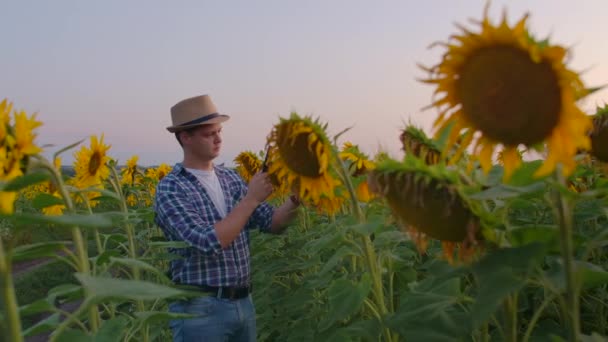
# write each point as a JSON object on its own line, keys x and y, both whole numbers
{"x": 536, "y": 317}
{"x": 564, "y": 216}
{"x": 131, "y": 238}
{"x": 81, "y": 252}
{"x": 11, "y": 309}
{"x": 368, "y": 248}
{"x": 100, "y": 248}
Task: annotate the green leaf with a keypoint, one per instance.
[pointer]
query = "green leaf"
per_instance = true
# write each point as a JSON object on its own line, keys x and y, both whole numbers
{"x": 548, "y": 235}
{"x": 47, "y": 324}
{"x": 26, "y": 180}
{"x": 67, "y": 292}
{"x": 345, "y": 298}
{"x": 492, "y": 292}
{"x": 366, "y": 229}
{"x": 429, "y": 317}
{"x": 110, "y": 331}
{"x": 69, "y": 147}
{"x": 83, "y": 221}
{"x": 39, "y": 306}
{"x": 100, "y": 289}
{"x": 134, "y": 263}
{"x": 37, "y": 250}
{"x": 588, "y": 275}
{"x": 335, "y": 259}
{"x": 43, "y": 200}
{"x": 508, "y": 191}
{"x": 169, "y": 244}
{"x": 524, "y": 175}
{"x": 501, "y": 273}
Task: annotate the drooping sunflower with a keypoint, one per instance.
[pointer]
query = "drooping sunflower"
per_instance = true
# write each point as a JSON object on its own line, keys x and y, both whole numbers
{"x": 414, "y": 141}
{"x": 128, "y": 175}
{"x": 300, "y": 155}
{"x": 599, "y": 135}
{"x": 512, "y": 89}
{"x": 247, "y": 165}
{"x": 358, "y": 165}
{"x": 428, "y": 202}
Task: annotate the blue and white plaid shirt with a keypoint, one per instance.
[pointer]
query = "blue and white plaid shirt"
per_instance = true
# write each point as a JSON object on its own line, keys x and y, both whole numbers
{"x": 185, "y": 212}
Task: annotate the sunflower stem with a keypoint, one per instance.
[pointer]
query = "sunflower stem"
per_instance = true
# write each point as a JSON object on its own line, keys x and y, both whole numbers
{"x": 370, "y": 254}
{"x": 131, "y": 238}
{"x": 100, "y": 249}
{"x": 9, "y": 299}
{"x": 81, "y": 250}
{"x": 564, "y": 216}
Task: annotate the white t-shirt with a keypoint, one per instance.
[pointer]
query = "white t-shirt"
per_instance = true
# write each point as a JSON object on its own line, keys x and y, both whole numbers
{"x": 211, "y": 183}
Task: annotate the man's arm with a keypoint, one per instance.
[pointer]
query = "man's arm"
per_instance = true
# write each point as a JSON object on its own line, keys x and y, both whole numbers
{"x": 176, "y": 212}
{"x": 230, "y": 227}
{"x": 284, "y": 214}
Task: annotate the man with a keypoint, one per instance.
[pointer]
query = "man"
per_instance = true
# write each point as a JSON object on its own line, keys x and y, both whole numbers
{"x": 211, "y": 209}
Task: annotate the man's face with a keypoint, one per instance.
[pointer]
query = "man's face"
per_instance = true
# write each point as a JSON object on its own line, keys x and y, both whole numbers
{"x": 205, "y": 141}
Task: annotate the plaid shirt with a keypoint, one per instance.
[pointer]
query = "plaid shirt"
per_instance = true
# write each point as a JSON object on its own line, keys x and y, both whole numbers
{"x": 185, "y": 212}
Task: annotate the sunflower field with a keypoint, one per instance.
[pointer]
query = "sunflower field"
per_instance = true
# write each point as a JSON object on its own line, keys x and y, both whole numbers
{"x": 469, "y": 237}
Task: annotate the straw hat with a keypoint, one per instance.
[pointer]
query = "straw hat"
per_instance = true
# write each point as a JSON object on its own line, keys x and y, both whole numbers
{"x": 195, "y": 111}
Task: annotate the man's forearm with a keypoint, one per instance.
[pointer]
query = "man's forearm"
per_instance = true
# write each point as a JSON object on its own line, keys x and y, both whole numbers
{"x": 283, "y": 215}
{"x": 230, "y": 227}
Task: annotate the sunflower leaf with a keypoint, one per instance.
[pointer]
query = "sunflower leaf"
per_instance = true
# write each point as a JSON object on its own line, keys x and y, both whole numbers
{"x": 69, "y": 147}
{"x": 25, "y": 181}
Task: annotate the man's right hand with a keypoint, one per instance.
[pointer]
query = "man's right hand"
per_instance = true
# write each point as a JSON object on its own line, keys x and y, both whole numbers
{"x": 259, "y": 187}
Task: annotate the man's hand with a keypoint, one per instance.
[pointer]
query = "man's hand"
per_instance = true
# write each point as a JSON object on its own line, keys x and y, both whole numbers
{"x": 259, "y": 187}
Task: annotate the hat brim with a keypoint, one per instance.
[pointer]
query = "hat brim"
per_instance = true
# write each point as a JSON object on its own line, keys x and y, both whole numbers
{"x": 219, "y": 119}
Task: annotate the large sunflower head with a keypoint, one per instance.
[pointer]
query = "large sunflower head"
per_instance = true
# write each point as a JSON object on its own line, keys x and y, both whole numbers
{"x": 247, "y": 165}
{"x": 90, "y": 163}
{"x": 599, "y": 134}
{"x": 514, "y": 91}
{"x": 414, "y": 141}
{"x": 299, "y": 155}
{"x": 428, "y": 203}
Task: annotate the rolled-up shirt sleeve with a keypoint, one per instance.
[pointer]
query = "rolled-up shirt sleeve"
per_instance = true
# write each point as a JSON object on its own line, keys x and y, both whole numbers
{"x": 178, "y": 215}
{"x": 261, "y": 217}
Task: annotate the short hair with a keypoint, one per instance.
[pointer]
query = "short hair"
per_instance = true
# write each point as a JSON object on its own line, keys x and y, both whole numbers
{"x": 187, "y": 130}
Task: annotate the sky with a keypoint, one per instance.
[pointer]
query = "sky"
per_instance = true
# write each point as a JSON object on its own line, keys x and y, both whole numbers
{"x": 116, "y": 67}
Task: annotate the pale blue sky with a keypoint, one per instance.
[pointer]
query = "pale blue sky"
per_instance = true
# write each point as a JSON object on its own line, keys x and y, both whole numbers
{"x": 116, "y": 67}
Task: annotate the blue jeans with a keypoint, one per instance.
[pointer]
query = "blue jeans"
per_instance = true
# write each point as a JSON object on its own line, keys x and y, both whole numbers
{"x": 217, "y": 320}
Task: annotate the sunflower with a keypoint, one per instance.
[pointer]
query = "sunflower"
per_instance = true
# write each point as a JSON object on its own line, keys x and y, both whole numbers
{"x": 428, "y": 203}
{"x": 91, "y": 163}
{"x": 153, "y": 176}
{"x": 247, "y": 165}
{"x": 16, "y": 145}
{"x": 128, "y": 175}
{"x": 414, "y": 141}
{"x": 162, "y": 170}
{"x": 91, "y": 169}
{"x": 359, "y": 162}
{"x": 599, "y": 134}
{"x": 300, "y": 155}
{"x": 359, "y": 165}
{"x": 512, "y": 89}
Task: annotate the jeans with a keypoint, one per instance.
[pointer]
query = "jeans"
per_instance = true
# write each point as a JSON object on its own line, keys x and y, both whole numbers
{"x": 217, "y": 320}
